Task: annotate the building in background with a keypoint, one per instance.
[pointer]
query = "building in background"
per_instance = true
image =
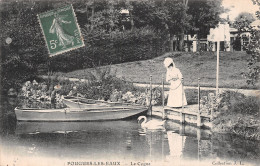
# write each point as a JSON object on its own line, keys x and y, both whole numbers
{"x": 230, "y": 38}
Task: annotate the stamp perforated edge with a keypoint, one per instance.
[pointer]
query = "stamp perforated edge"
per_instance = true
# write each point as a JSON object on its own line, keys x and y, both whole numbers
{"x": 66, "y": 50}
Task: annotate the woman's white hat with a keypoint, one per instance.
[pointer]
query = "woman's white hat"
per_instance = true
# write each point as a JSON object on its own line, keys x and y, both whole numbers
{"x": 167, "y": 62}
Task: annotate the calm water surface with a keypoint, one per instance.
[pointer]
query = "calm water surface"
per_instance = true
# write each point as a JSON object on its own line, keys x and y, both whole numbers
{"x": 105, "y": 143}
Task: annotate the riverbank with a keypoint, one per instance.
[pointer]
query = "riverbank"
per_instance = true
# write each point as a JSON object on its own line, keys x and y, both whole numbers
{"x": 228, "y": 108}
{"x": 192, "y": 66}
{"x": 235, "y": 111}
{"x": 238, "y": 114}
{"x": 124, "y": 137}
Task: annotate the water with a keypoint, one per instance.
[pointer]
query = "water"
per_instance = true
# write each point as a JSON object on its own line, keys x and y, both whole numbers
{"x": 110, "y": 142}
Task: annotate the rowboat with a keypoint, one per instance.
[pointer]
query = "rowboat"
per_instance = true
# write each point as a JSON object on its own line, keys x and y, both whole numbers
{"x": 77, "y": 114}
{"x": 83, "y": 103}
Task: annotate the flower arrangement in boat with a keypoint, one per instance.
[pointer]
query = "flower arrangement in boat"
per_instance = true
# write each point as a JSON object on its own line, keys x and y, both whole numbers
{"x": 108, "y": 89}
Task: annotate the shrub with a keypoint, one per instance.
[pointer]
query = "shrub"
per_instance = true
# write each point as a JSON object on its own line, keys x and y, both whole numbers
{"x": 101, "y": 83}
{"x": 238, "y": 114}
{"x": 239, "y": 103}
{"x": 104, "y": 49}
{"x": 15, "y": 71}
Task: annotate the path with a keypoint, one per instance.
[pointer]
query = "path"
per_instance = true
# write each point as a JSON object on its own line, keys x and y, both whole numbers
{"x": 247, "y": 92}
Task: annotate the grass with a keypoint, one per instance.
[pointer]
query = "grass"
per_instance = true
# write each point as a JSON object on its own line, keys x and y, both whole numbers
{"x": 192, "y": 66}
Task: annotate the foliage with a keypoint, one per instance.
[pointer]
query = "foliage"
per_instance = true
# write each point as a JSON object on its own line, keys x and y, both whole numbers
{"x": 254, "y": 62}
{"x": 178, "y": 16}
{"x": 209, "y": 103}
{"x": 239, "y": 124}
{"x": 178, "y": 19}
{"x": 205, "y": 15}
{"x": 168, "y": 17}
{"x": 238, "y": 114}
{"x": 238, "y": 103}
{"x": 243, "y": 21}
{"x": 102, "y": 83}
{"x": 116, "y": 47}
{"x": 101, "y": 25}
{"x": 15, "y": 71}
{"x": 253, "y": 50}
{"x": 21, "y": 57}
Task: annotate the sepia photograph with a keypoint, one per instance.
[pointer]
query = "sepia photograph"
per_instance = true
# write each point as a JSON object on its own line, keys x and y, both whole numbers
{"x": 129, "y": 82}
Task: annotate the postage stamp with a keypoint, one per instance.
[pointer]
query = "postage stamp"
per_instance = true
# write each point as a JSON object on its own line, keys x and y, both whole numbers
{"x": 61, "y": 30}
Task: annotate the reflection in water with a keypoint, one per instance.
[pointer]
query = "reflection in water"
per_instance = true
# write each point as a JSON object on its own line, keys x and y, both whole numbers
{"x": 60, "y": 142}
{"x": 176, "y": 144}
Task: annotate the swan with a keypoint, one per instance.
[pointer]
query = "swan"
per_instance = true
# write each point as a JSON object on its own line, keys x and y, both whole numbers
{"x": 151, "y": 124}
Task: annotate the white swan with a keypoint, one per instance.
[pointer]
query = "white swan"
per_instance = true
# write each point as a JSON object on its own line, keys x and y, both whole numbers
{"x": 151, "y": 124}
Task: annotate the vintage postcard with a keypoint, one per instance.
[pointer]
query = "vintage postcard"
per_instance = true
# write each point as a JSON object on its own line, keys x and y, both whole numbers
{"x": 129, "y": 83}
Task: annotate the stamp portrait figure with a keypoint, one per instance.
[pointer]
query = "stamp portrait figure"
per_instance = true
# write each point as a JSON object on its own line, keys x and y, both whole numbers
{"x": 56, "y": 27}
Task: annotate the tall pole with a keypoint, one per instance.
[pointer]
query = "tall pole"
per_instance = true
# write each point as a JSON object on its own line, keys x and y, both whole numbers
{"x": 199, "y": 93}
{"x": 151, "y": 94}
{"x": 163, "y": 113}
{"x": 217, "y": 74}
{"x": 198, "y": 115}
{"x": 182, "y": 104}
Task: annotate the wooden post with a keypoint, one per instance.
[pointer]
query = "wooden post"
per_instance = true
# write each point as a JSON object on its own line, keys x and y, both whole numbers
{"x": 199, "y": 143}
{"x": 182, "y": 129}
{"x": 163, "y": 111}
{"x": 162, "y": 145}
{"x": 151, "y": 95}
{"x": 198, "y": 115}
{"x": 182, "y": 107}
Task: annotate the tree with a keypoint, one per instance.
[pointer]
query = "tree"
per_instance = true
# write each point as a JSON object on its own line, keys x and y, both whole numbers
{"x": 243, "y": 20}
{"x": 177, "y": 17}
{"x": 205, "y": 15}
{"x": 178, "y": 21}
{"x": 253, "y": 50}
{"x": 181, "y": 41}
{"x": 169, "y": 16}
{"x": 21, "y": 57}
{"x": 254, "y": 61}
{"x": 243, "y": 24}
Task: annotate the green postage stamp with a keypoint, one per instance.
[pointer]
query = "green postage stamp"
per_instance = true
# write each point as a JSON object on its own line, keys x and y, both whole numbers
{"x": 61, "y": 30}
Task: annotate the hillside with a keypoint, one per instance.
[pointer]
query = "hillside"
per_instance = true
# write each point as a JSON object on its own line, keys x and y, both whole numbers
{"x": 192, "y": 66}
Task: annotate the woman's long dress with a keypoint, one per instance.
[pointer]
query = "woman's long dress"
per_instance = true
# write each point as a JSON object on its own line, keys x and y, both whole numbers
{"x": 174, "y": 76}
{"x": 64, "y": 39}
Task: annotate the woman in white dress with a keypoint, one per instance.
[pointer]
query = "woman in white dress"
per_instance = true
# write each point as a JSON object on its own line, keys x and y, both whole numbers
{"x": 174, "y": 76}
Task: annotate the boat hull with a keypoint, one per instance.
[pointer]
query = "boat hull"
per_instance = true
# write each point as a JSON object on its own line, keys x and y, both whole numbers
{"x": 69, "y": 114}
